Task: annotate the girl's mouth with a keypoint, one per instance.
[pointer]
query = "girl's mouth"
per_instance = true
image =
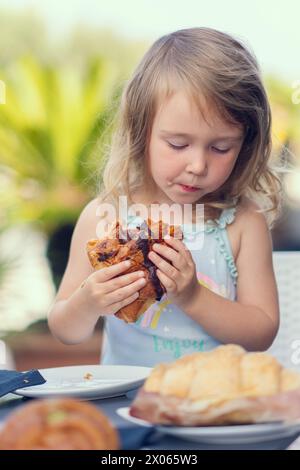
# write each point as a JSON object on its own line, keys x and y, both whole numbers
{"x": 188, "y": 188}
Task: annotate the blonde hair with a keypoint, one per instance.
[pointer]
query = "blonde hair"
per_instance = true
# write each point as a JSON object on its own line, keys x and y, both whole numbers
{"x": 206, "y": 63}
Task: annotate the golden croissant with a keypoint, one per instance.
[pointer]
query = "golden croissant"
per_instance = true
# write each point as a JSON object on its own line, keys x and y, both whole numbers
{"x": 58, "y": 424}
{"x": 115, "y": 249}
{"x": 224, "y": 386}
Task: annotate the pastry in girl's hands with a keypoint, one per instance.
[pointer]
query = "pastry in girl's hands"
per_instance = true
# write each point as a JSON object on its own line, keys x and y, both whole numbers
{"x": 224, "y": 386}
{"x": 134, "y": 244}
{"x": 58, "y": 424}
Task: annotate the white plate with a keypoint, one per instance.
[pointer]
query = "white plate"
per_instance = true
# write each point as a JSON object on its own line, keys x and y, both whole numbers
{"x": 235, "y": 434}
{"x": 106, "y": 381}
{"x": 124, "y": 413}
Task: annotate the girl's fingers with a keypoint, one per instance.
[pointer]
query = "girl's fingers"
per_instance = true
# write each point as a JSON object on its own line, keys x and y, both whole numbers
{"x": 122, "y": 280}
{"x": 117, "y": 305}
{"x": 179, "y": 246}
{"x": 167, "y": 282}
{"x": 170, "y": 254}
{"x": 125, "y": 292}
{"x": 163, "y": 265}
{"x": 109, "y": 272}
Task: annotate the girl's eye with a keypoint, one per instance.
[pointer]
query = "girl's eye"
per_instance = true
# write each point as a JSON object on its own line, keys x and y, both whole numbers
{"x": 221, "y": 150}
{"x": 181, "y": 147}
{"x": 176, "y": 147}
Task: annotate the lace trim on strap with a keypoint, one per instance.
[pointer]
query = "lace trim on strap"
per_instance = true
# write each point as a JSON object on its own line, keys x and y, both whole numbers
{"x": 227, "y": 217}
{"x": 228, "y": 257}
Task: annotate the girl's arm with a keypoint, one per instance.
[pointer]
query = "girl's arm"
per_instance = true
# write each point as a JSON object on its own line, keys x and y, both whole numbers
{"x": 253, "y": 320}
{"x": 78, "y": 304}
{"x": 68, "y": 318}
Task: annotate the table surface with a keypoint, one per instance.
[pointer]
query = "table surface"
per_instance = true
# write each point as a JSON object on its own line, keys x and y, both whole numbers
{"x": 157, "y": 441}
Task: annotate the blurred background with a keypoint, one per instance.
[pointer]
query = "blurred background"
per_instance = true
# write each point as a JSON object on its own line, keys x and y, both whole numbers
{"x": 62, "y": 69}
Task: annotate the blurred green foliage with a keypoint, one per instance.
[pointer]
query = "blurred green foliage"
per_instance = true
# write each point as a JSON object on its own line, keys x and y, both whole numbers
{"x": 55, "y": 123}
{"x": 48, "y": 129}
{"x": 60, "y": 97}
{"x": 286, "y": 116}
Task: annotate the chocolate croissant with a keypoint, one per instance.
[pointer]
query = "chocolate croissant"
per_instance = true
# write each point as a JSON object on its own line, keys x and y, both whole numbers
{"x": 58, "y": 424}
{"x": 224, "y": 386}
{"x": 133, "y": 244}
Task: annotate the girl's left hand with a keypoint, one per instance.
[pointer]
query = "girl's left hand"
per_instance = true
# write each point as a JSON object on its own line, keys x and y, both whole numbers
{"x": 178, "y": 277}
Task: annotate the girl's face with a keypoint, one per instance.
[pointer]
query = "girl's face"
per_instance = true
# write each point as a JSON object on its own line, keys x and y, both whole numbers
{"x": 185, "y": 150}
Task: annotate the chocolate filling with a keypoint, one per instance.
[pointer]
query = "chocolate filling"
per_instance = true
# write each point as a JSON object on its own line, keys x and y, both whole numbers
{"x": 144, "y": 240}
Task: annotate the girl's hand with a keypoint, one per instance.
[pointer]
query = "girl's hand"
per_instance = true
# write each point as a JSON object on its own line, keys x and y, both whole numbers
{"x": 179, "y": 277}
{"x": 104, "y": 293}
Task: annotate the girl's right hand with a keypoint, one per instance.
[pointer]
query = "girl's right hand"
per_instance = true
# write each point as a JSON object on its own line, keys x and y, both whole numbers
{"x": 105, "y": 293}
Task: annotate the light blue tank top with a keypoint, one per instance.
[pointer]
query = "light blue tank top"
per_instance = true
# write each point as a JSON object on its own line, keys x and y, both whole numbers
{"x": 164, "y": 332}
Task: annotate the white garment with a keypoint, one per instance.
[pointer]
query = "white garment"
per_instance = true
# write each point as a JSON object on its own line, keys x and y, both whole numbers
{"x": 164, "y": 332}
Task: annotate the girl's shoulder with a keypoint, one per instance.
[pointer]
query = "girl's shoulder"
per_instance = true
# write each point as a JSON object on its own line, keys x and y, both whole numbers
{"x": 249, "y": 221}
{"x": 247, "y": 213}
{"x": 248, "y": 210}
{"x": 89, "y": 212}
{"x": 88, "y": 220}
{"x": 245, "y": 217}
{"x": 98, "y": 217}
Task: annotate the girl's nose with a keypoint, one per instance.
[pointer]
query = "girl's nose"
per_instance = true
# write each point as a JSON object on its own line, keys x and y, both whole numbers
{"x": 197, "y": 164}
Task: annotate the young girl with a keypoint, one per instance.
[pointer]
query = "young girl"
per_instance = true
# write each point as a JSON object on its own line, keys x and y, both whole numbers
{"x": 194, "y": 127}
